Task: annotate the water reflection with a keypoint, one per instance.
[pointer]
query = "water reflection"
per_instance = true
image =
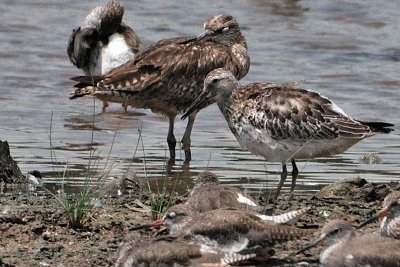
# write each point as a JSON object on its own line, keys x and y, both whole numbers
{"x": 348, "y": 51}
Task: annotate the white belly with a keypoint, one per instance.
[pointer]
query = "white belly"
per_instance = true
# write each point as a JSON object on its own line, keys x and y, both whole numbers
{"x": 259, "y": 142}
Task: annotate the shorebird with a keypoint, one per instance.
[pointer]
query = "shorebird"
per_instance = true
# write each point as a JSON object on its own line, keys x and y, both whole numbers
{"x": 283, "y": 123}
{"x": 390, "y": 225}
{"x": 103, "y": 42}
{"x": 347, "y": 249}
{"x": 208, "y": 194}
{"x": 225, "y": 230}
{"x": 137, "y": 250}
{"x": 167, "y": 76}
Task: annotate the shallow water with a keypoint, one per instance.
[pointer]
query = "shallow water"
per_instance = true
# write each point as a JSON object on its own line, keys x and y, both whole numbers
{"x": 347, "y": 51}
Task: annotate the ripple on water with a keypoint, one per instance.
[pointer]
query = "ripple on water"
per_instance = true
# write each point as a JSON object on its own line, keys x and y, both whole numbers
{"x": 336, "y": 49}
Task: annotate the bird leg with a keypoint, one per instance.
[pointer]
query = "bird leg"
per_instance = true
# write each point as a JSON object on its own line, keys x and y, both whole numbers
{"x": 125, "y": 104}
{"x": 171, "y": 139}
{"x": 295, "y": 174}
{"x": 282, "y": 181}
{"x": 186, "y": 137}
{"x": 105, "y": 105}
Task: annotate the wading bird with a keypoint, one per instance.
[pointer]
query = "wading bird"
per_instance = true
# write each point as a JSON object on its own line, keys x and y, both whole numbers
{"x": 167, "y": 76}
{"x": 283, "y": 123}
{"x": 103, "y": 42}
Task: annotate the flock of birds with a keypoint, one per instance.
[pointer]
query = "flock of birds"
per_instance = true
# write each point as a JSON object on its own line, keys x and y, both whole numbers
{"x": 186, "y": 74}
{"x": 183, "y": 75}
{"x": 222, "y": 226}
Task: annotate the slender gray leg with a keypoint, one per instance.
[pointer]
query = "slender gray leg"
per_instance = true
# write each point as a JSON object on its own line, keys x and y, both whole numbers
{"x": 125, "y": 104}
{"x": 186, "y": 137}
{"x": 282, "y": 181}
{"x": 171, "y": 139}
{"x": 295, "y": 174}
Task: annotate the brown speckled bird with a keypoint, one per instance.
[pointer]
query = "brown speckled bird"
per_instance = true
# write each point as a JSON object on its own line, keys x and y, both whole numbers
{"x": 226, "y": 230}
{"x": 283, "y": 123}
{"x": 103, "y": 42}
{"x": 208, "y": 194}
{"x": 167, "y": 76}
{"x": 344, "y": 248}
{"x": 390, "y": 225}
{"x": 137, "y": 250}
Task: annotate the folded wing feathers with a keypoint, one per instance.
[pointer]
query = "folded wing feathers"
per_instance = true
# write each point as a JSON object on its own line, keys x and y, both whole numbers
{"x": 303, "y": 114}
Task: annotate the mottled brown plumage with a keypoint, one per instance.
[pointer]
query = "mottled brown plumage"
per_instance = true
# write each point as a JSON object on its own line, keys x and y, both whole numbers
{"x": 226, "y": 230}
{"x": 208, "y": 194}
{"x": 166, "y": 77}
{"x": 344, "y": 248}
{"x": 283, "y": 123}
{"x": 137, "y": 250}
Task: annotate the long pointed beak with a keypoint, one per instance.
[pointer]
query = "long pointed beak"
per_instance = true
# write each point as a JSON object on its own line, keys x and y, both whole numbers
{"x": 157, "y": 223}
{"x": 198, "y": 37}
{"x": 200, "y": 99}
{"x": 313, "y": 243}
{"x": 380, "y": 214}
{"x": 204, "y": 34}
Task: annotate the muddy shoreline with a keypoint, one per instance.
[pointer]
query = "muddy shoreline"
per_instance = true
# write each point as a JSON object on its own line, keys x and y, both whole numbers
{"x": 35, "y": 232}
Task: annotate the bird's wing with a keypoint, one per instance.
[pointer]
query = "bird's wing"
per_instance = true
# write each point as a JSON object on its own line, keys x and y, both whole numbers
{"x": 290, "y": 113}
{"x": 226, "y": 222}
{"x": 173, "y": 59}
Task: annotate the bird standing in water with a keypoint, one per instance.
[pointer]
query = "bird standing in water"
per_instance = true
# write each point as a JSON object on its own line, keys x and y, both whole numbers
{"x": 103, "y": 42}
{"x": 167, "y": 76}
{"x": 283, "y": 123}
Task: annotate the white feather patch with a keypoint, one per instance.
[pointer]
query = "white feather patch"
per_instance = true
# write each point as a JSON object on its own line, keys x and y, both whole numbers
{"x": 245, "y": 200}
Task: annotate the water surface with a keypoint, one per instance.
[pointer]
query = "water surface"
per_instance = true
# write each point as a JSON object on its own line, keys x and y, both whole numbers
{"x": 345, "y": 50}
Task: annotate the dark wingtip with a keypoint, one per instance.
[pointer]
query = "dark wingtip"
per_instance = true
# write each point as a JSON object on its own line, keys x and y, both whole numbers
{"x": 76, "y": 78}
{"x": 75, "y": 96}
{"x": 380, "y": 127}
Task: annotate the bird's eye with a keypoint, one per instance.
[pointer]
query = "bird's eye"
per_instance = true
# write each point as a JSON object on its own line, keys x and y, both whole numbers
{"x": 335, "y": 231}
{"x": 225, "y": 29}
{"x": 214, "y": 80}
{"x": 171, "y": 215}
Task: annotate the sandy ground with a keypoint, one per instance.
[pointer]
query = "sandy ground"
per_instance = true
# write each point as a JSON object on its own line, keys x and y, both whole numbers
{"x": 34, "y": 231}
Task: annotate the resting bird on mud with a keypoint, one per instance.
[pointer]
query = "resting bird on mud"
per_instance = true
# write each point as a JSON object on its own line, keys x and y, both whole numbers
{"x": 346, "y": 248}
{"x": 208, "y": 194}
{"x": 226, "y": 230}
{"x": 283, "y": 123}
{"x": 167, "y": 76}
{"x": 138, "y": 250}
{"x": 390, "y": 214}
{"x": 103, "y": 42}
